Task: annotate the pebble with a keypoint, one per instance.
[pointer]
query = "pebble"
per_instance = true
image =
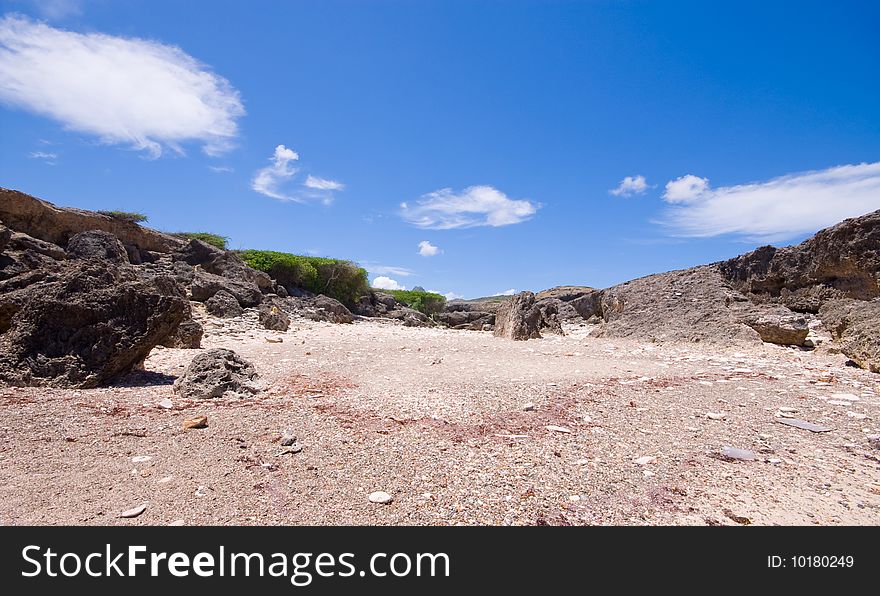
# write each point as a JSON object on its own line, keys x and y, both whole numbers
{"x": 138, "y": 459}
{"x": 735, "y": 453}
{"x": 197, "y": 422}
{"x": 166, "y": 404}
{"x": 380, "y": 497}
{"x": 287, "y": 438}
{"x": 530, "y": 407}
{"x": 716, "y": 416}
{"x": 645, "y": 460}
{"x": 177, "y": 522}
{"x": 557, "y": 429}
{"x": 134, "y": 511}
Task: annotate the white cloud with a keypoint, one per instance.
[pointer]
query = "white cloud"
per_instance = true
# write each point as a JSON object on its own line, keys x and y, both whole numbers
{"x": 445, "y": 209}
{"x": 49, "y": 158}
{"x": 57, "y": 9}
{"x": 221, "y": 169}
{"x": 685, "y": 189}
{"x": 509, "y": 292}
{"x": 387, "y": 269}
{"x": 426, "y": 249}
{"x": 268, "y": 180}
{"x": 451, "y": 296}
{"x": 776, "y": 209}
{"x": 386, "y": 283}
{"x": 128, "y": 91}
{"x": 322, "y": 184}
{"x": 630, "y": 185}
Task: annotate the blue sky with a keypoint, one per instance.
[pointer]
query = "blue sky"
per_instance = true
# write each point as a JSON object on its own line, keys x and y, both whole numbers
{"x": 467, "y": 147}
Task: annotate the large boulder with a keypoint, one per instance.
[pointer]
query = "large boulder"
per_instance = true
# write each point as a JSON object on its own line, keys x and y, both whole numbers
{"x": 97, "y": 244}
{"x": 58, "y": 225}
{"x": 855, "y": 325}
{"x": 224, "y": 263}
{"x": 519, "y": 318}
{"x": 217, "y": 373}
{"x": 85, "y": 325}
{"x": 323, "y": 308}
{"x": 463, "y": 319}
{"x": 224, "y": 305}
{"x": 204, "y": 285}
{"x": 781, "y": 327}
{"x": 187, "y": 336}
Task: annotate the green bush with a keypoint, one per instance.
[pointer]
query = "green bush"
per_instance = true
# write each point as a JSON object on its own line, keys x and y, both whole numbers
{"x": 342, "y": 280}
{"x": 424, "y": 302}
{"x": 128, "y": 216}
{"x": 207, "y": 238}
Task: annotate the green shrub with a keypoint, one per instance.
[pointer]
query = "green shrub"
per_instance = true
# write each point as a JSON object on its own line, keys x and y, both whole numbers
{"x": 207, "y": 238}
{"x": 342, "y": 280}
{"x": 424, "y": 302}
{"x": 128, "y": 216}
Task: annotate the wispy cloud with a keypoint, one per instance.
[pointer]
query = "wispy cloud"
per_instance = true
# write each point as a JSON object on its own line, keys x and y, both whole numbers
{"x": 221, "y": 169}
{"x": 282, "y": 180}
{"x": 630, "y": 185}
{"x": 46, "y": 156}
{"x": 128, "y": 91}
{"x": 773, "y": 210}
{"x": 446, "y": 209}
{"x": 57, "y": 9}
{"x": 323, "y": 184}
{"x": 387, "y": 269}
{"x": 426, "y": 249}
{"x": 386, "y": 283}
{"x": 509, "y": 292}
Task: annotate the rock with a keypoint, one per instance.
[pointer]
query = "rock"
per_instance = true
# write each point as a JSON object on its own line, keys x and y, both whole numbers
{"x": 197, "y": 422}
{"x": 5, "y": 236}
{"x": 557, "y": 429}
{"x": 25, "y": 243}
{"x": 223, "y": 263}
{"x": 738, "y": 454}
{"x": 204, "y": 285}
{"x": 288, "y": 438}
{"x": 58, "y": 225}
{"x": 187, "y": 336}
{"x": 324, "y": 308}
{"x": 87, "y": 325}
{"x": 166, "y": 404}
{"x": 855, "y": 326}
{"x": 787, "y": 329}
{"x": 802, "y": 424}
{"x": 461, "y": 319}
{"x": 139, "y": 459}
{"x": 530, "y": 407}
{"x": 97, "y": 244}
{"x": 842, "y": 261}
{"x": 380, "y": 497}
{"x": 134, "y": 511}
{"x": 716, "y": 416}
{"x": 273, "y": 318}
{"x": 645, "y": 460}
{"x": 217, "y": 373}
{"x": 519, "y": 318}
{"x": 223, "y": 304}
{"x": 565, "y": 293}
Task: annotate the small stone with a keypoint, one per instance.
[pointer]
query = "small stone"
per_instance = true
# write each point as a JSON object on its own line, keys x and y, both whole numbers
{"x": 530, "y": 407}
{"x": 774, "y": 460}
{"x": 287, "y": 438}
{"x": 787, "y": 410}
{"x": 197, "y": 422}
{"x": 645, "y": 460}
{"x": 846, "y": 396}
{"x": 139, "y": 459}
{"x": 557, "y": 429}
{"x": 738, "y": 454}
{"x": 202, "y": 491}
{"x": 857, "y": 415}
{"x": 134, "y": 511}
{"x": 165, "y": 479}
{"x": 177, "y": 522}
{"x": 716, "y": 416}
{"x": 574, "y": 498}
{"x": 275, "y": 340}
{"x": 166, "y": 404}
{"x": 802, "y": 424}
{"x": 380, "y": 497}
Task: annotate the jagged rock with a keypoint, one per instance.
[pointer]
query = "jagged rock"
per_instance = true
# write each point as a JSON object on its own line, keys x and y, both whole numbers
{"x": 5, "y": 236}
{"x": 550, "y": 316}
{"x": 97, "y": 244}
{"x": 519, "y": 318}
{"x": 24, "y": 243}
{"x": 223, "y": 304}
{"x": 188, "y": 336}
{"x": 375, "y": 304}
{"x": 787, "y": 329}
{"x": 57, "y": 225}
{"x": 217, "y": 373}
{"x": 855, "y": 325}
{"x": 272, "y": 317}
{"x": 196, "y": 252}
{"x": 224, "y": 263}
{"x": 842, "y": 261}
{"x": 324, "y": 308}
{"x": 84, "y": 326}
{"x": 565, "y": 293}
{"x": 204, "y": 285}
{"x": 461, "y": 319}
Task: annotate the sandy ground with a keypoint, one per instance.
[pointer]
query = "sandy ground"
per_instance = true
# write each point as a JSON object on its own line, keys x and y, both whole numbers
{"x": 443, "y": 421}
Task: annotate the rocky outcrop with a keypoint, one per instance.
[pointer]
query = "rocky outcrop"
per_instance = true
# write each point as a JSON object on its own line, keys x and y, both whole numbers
{"x": 217, "y": 373}
{"x": 519, "y": 318}
{"x": 322, "y": 308}
{"x": 842, "y": 261}
{"x": 45, "y": 221}
{"x": 855, "y": 325}
{"x": 223, "y": 263}
{"x": 223, "y": 304}
{"x": 96, "y": 244}
{"x": 85, "y": 325}
{"x": 187, "y": 336}
{"x": 273, "y": 318}
{"x": 462, "y": 319}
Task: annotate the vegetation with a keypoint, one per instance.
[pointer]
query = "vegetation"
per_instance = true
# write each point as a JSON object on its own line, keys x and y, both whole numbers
{"x": 342, "y": 280}
{"x": 206, "y": 237}
{"x": 424, "y": 302}
{"x": 128, "y": 216}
